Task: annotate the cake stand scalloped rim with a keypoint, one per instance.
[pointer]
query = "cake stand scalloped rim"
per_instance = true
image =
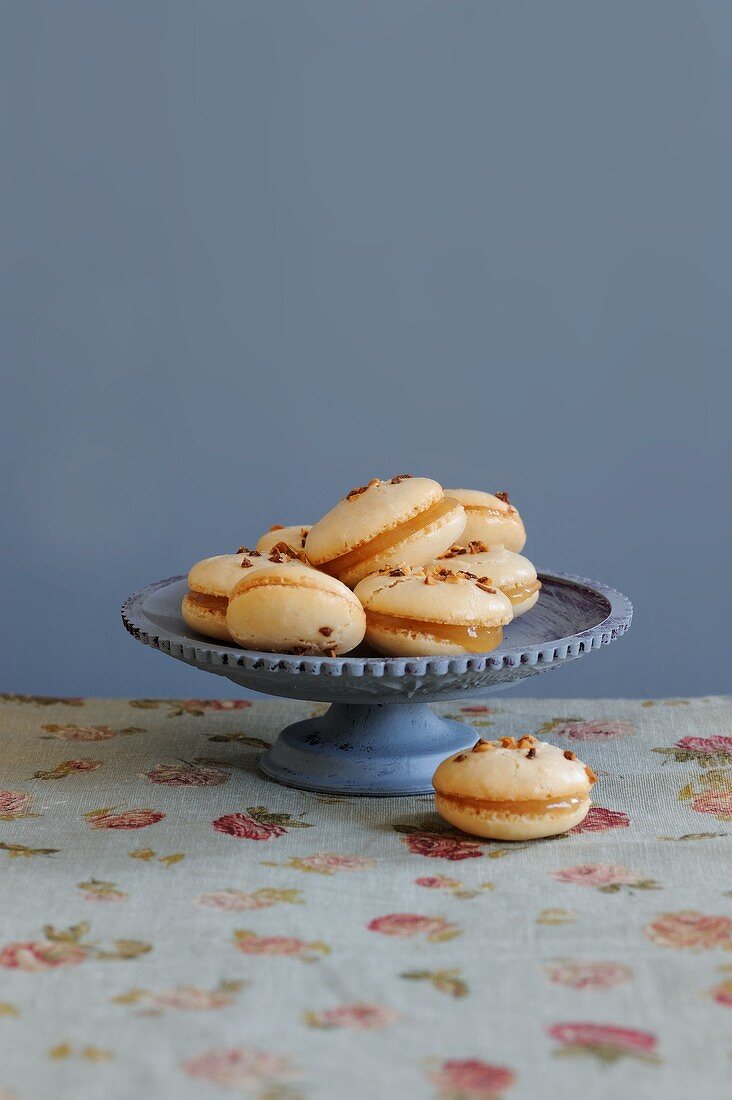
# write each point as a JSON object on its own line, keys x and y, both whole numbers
{"x": 613, "y": 626}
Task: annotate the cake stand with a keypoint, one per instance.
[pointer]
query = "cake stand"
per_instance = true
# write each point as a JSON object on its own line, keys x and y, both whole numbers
{"x": 379, "y": 736}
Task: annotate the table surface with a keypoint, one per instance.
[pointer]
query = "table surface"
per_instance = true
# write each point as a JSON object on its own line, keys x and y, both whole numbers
{"x": 174, "y": 925}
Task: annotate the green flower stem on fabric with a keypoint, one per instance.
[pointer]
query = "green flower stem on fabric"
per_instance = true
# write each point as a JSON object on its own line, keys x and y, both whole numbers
{"x": 444, "y": 981}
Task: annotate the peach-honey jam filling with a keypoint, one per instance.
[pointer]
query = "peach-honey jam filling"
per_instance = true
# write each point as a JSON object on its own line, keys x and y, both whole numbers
{"x": 517, "y": 593}
{"x": 383, "y": 543}
{"x": 208, "y": 603}
{"x": 485, "y": 510}
{"x": 566, "y": 804}
{"x": 475, "y": 639}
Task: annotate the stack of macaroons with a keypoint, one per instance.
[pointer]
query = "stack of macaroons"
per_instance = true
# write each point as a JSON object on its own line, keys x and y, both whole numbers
{"x": 392, "y": 563}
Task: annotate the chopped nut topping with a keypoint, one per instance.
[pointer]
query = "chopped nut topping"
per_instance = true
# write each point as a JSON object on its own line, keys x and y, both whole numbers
{"x": 568, "y": 755}
{"x": 283, "y": 552}
{"x": 330, "y": 651}
{"x": 481, "y": 745}
{"x": 277, "y": 527}
{"x": 477, "y": 547}
{"x": 430, "y": 578}
{"x": 531, "y": 754}
{"x": 460, "y": 757}
{"x": 590, "y": 775}
{"x": 246, "y": 563}
{"x": 246, "y": 550}
{"x": 503, "y": 497}
{"x": 362, "y": 489}
{"x": 486, "y": 588}
{"x": 299, "y": 650}
{"x": 326, "y": 631}
{"x": 400, "y": 477}
{"x": 526, "y": 740}
{"x": 399, "y": 572}
{"x": 508, "y": 742}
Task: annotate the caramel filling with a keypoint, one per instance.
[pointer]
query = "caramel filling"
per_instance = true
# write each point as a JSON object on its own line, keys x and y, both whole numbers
{"x": 567, "y": 804}
{"x": 209, "y": 603}
{"x": 475, "y": 639}
{"x": 498, "y": 513}
{"x": 385, "y": 542}
{"x": 517, "y": 593}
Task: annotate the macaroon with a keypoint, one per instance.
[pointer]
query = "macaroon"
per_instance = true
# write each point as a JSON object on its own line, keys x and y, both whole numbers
{"x": 490, "y": 518}
{"x": 432, "y": 611}
{"x": 513, "y": 790}
{"x": 514, "y": 574}
{"x": 292, "y": 608}
{"x": 294, "y": 536}
{"x": 405, "y": 520}
{"x": 209, "y": 583}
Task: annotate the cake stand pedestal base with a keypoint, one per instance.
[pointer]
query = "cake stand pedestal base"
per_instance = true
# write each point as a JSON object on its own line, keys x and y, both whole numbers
{"x": 366, "y": 750}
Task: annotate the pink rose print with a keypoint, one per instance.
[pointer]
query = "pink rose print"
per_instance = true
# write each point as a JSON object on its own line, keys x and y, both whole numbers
{"x": 71, "y": 732}
{"x": 242, "y": 825}
{"x": 599, "y": 819}
{"x": 605, "y": 1042}
{"x": 240, "y": 1067}
{"x": 219, "y": 704}
{"x": 607, "y": 877}
{"x": 705, "y": 751}
{"x": 187, "y": 775}
{"x": 65, "y": 947}
{"x": 689, "y": 929}
{"x": 249, "y": 943}
{"x": 722, "y": 993}
{"x": 437, "y": 882}
{"x": 717, "y": 803}
{"x": 237, "y": 901}
{"x": 14, "y": 804}
{"x": 131, "y": 819}
{"x": 436, "y": 846}
{"x": 183, "y": 998}
{"x": 357, "y": 1017}
{"x": 40, "y": 955}
{"x": 326, "y": 863}
{"x": 588, "y": 975}
{"x": 68, "y": 767}
{"x": 257, "y": 824}
{"x": 404, "y": 925}
{"x": 471, "y": 1079}
{"x": 600, "y": 729}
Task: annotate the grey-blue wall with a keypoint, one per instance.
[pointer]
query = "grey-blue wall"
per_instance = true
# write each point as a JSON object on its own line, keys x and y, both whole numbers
{"x": 254, "y": 253}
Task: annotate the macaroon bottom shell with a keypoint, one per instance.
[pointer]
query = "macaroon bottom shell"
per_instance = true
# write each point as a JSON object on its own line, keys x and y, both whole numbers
{"x": 525, "y": 605}
{"x": 209, "y": 621}
{"x": 278, "y": 618}
{"x": 503, "y": 825}
{"x": 402, "y": 643}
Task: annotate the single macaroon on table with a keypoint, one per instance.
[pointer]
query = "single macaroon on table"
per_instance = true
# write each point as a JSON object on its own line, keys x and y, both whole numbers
{"x": 379, "y": 736}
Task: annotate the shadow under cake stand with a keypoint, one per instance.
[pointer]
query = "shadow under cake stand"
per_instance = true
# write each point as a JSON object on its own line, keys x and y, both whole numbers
{"x": 379, "y": 736}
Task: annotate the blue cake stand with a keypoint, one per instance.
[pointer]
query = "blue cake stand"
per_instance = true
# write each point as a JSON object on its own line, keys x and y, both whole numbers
{"x": 379, "y": 736}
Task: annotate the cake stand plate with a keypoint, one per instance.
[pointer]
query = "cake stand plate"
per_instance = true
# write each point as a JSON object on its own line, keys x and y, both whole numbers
{"x": 379, "y": 736}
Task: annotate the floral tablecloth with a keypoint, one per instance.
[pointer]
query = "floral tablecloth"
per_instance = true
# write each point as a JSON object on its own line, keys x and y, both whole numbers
{"x": 174, "y": 925}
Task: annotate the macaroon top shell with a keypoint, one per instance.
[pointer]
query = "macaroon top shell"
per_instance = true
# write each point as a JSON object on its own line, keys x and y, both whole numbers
{"x": 460, "y": 603}
{"x": 292, "y": 605}
{"x": 504, "y": 567}
{"x": 218, "y": 575}
{"x": 362, "y": 515}
{"x": 297, "y": 574}
{"x": 294, "y": 536}
{"x": 509, "y": 774}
